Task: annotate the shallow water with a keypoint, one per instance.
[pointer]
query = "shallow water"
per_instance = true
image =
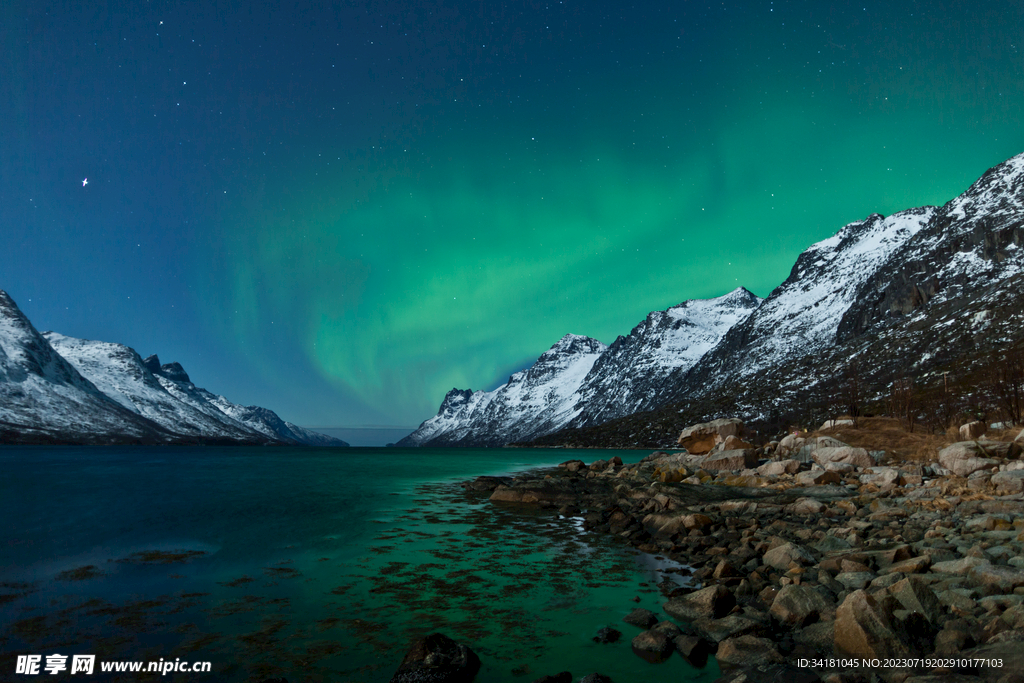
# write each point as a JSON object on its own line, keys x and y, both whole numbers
{"x": 313, "y": 564}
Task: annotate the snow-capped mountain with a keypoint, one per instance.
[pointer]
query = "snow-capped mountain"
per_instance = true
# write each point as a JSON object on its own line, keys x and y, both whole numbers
{"x": 61, "y": 389}
{"x": 43, "y": 398}
{"x": 579, "y": 380}
{"x": 908, "y": 294}
{"x": 536, "y": 401}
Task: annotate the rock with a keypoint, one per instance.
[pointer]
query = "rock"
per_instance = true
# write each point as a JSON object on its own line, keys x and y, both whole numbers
{"x": 998, "y": 578}
{"x": 863, "y": 628}
{"x": 855, "y": 580}
{"x": 607, "y": 635}
{"x": 915, "y": 565}
{"x": 709, "y": 603}
{"x": 829, "y": 425}
{"x": 791, "y": 443}
{"x": 1000, "y": 450}
{"x": 727, "y": 627}
{"x": 664, "y": 526}
{"x": 747, "y": 650}
{"x": 573, "y": 465}
{"x": 801, "y": 605}
{"x": 917, "y": 597}
{"x": 730, "y": 460}
{"x": 437, "y": 659}
{"x": 644, "y": 618}
{"x": 595, "y": 678}
{"x": 1008, "y": 482}
{"x": 564, "y": 677}
{"x": 668, "y": 628}
{"x": 818, "y": 478}
{"x": 958, "y": 567}
{"x": 696, "y": 521}
{"x": 883, "y": 477}
{"x": 965, "y": 458}
{"x": 858, "y": 457}
{"x": 786, "y": 554}
{"x": 701, "y": 438}
{"x": 652, "y": 646}
{"x": 806, "y": 506}
{"x": 694, "y": 649}
{"x": 971, "y": 430}
{"x": 778, "y": 468}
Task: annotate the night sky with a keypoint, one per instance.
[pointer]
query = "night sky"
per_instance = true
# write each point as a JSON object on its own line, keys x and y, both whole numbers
{"x": 343, "y": 213}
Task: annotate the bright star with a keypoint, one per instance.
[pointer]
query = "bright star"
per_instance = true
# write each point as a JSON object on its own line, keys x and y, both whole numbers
{"x": 85, "y": 181}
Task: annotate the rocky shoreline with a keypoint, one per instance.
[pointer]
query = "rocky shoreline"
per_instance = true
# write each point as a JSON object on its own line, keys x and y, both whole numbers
{"x": 837, "y": 568}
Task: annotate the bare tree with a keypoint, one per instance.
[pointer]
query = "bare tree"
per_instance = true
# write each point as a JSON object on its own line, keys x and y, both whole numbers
{"x": 1006, "y": 384}
{"x": 902, "y": 403}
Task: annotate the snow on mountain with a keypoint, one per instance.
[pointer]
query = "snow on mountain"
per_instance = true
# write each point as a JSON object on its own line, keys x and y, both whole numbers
{"x": 44, "y": 398}
{"x": 580, "y": 381}
{"x": 63, "y": 389}
{"x": 119, "y": 372}
{"x": 535, "y": 401}
{"x": 673, "y": 340}
{"x": 803, "y": 314}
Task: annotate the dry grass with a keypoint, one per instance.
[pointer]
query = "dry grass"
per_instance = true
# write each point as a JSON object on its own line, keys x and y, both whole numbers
{"x": 887, "y": 434}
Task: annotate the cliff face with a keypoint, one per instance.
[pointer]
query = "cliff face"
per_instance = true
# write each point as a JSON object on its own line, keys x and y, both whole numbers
{"x": 905, "y": 294}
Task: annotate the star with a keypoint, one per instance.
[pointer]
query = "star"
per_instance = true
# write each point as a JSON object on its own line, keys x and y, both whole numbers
{"x": 85, "y": 181}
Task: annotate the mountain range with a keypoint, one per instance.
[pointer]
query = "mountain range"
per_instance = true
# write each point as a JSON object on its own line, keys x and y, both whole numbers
{"x": 57, "y": 389}
{"x": 915, "y": 294}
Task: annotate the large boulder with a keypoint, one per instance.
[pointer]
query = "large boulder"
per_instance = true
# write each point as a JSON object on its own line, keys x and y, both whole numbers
{"x": 710, "y": 603}
{"x": 744, "y": 651}
{"x": 741, "y": 459}
{"x": 1008, "y": 482}
{"x": 652, "y": 645}
{"x": 437, "y": 659}
{"x": 784, "y": 555}
{"x": 964, "y": 458}
{"x": 818, "y": 478}
{"x": 915, "y": 596}
{"x": 801, "y": 605}
{"x": 701, "y": 438}
{"x": 858, "y": 457}
{"x": 779, "y": 467}
{"x": 864, "y": 628}
{"x": 972, "y": 430}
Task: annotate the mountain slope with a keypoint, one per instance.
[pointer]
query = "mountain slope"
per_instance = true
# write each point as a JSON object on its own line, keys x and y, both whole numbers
{"x": 60, "y": 389}
{"x": 580, "y": 381}
{"x": 533, "y": 402}
{"x": 43, "y": 398}
{"x": 940, "y": 291}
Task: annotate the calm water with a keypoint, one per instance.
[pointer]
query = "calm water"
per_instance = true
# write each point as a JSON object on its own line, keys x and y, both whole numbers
{"x": 314, "y": 564}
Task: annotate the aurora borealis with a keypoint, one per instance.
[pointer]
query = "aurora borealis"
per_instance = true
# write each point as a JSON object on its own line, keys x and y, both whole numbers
{"x": 343, "y": 213}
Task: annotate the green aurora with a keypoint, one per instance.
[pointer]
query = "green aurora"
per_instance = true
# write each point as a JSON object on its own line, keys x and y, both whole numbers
{"x": 429, "y": 254}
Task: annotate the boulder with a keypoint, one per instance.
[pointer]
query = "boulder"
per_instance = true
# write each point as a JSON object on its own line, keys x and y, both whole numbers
{"x": 883, "y": 477}
{"x": 818, "y": 478}
{"x": 741, "y": 459}
{"x": 958, "y": 567}
{"x": 782, "y": 556}
{"x": 437, "y": 659}
{"x": 607, "y": 635}
{"x": 801, "y": 605}
{"x": 915, "y": 596}
{"x": 701, "y": 438}
{"x": 972, "y": 430}
{"x": 779, "y": 467}
{"x": 733, "y": 443}
{"x": 727, "y": 627}
{"x": 858, "y": 457}
{"x": 652, "y": 646}
{"x": 694, "y": 649}
{"x": 573, "y": 465}
{"x": 999, "y": 579}
{"x": 835, "y": 424}
{"x": 664, "y": 526}
{"x": 791, "y": 443}
{"x": 1008, "y": 482}
{"x": 864, "y": 628}
{"x": 710, "y": 603}
{"x": 965, "y": 458}
{"x": 644, "y": 618}
{"x": 806, "y": 506}
{"x": 744, "y": 651}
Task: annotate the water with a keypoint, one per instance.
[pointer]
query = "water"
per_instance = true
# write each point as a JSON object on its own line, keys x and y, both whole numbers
{"x": 313, "y": 564}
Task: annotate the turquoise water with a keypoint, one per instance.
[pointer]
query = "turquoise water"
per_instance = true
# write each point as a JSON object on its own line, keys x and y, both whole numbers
{"x": 313, "y": 564}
